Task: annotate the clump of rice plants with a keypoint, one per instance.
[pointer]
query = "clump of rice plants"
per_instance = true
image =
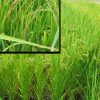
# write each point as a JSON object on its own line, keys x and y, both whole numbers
{"x": 32, "y": 21}
{"x": 81, "y": 33}
{"x": 72, "y": 75}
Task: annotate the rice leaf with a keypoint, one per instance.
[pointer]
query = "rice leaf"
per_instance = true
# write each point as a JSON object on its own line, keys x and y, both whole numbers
{"x": 55, "y": 39}
{"x": 9, "y": 38}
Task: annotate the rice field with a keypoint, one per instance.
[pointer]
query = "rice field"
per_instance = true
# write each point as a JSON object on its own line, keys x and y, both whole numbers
{"x": 29, "y": 25}
{"x": 72, "y": 75}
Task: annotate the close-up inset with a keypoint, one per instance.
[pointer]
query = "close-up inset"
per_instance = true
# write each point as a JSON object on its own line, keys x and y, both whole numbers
{"x": 29, "y": 25}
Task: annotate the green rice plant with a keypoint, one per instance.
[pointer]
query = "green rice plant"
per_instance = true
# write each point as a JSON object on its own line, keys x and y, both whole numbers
{"x": 40, "y": 80}
{"x": 81, "y": 30}
{"x": 34, "y": 21}
{"x": 58, "y": 78}
{"x": 72, "y": 75}
{"x": 24, "y": 79}
{"x": 8, "y": 78}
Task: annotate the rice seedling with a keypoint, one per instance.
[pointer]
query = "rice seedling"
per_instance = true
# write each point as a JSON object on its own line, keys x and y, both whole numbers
{"x": 33, "y": 21}
{"x": 72, "y": 75}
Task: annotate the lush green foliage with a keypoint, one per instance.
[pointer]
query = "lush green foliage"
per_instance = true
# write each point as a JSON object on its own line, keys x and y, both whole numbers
{"x": 35, "y": 21}
{"x": 72, "y": 75}
{"x": 81, "y": 36}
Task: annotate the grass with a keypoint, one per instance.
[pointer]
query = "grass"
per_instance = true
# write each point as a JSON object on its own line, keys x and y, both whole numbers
{"x": 72, "y": 75}
{"x": 33, "y": 21}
